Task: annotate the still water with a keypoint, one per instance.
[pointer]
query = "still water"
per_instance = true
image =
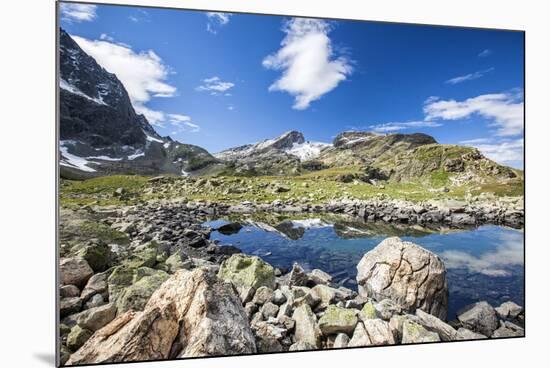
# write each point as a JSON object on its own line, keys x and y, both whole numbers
{"x": 483, "y": 263}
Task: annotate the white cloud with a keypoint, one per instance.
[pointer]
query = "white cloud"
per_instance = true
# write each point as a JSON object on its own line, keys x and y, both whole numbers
{"x": 504, "y": 110}
{"x": 216, "y": 21}
{"x": 467, "y": 77}
{"x": 485, "y": 53}
{"x": 396, "y": 126}
{"x": 503, "y": 151}
{"x": 309, "y": 68}
{"x": 182, "y": 123}
{"x": 143, "y": 74}
{"x": 78, "y": 12}
{"x": 509, "y": 253}
{"x": 215, "y": 85}
{"x": 230, "y": 107}
{"x": 106, "y": 37}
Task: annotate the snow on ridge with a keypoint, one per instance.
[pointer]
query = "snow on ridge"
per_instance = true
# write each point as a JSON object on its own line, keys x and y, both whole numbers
{"x": 74, "y": 161}
{"x": 104, "y": 158}
{"x": 150, "y": 138}
{"x": 307, "y": 150}
{"x": 136, "y": 155}
{"x": 314, "y": 223}
{"x": 63, "y": 84}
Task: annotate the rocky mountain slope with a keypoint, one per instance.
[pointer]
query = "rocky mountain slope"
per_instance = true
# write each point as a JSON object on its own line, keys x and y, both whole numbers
{"x": 100, "y": 131}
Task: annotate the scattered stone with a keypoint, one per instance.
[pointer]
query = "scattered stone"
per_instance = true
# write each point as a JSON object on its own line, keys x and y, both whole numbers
{"x": 508, "y": 310}
{"x": 69, "y": 306}
{"x": 98, "y": 256}
{"x": 69, "y": 291}
{"x": 269, "y": 310}
{"x": 359, "y": 337}
{"x": 95, "y": 318}
{"x": 379, "y": 332}
{"x": 508, "y": 329}
{"x": 368, "y": 312}
{"x": 95, "y": 301}
{"x": 445, "y": 331}
{"x": 306, "y": 329}
{"x": 341, "y": 341}
{"x": 413, "y": 333}
{"x": 479, "y": 317}
{"x": 263, "y": 295}
{"x": 406, "y": 273}
{"x": 301, "y": 346}
{"x": 135, "y": 296}
{"x": 278, "y": 297}
{"x": 229, "y": 229}
{"x": 319, "y": 277}
{"x": 74, "y": 271}
{"x": 246, "y": 293}
{"x": 97, "y": 284}
{"x": 465, "y": 334}
{"x": 298, "y": 276}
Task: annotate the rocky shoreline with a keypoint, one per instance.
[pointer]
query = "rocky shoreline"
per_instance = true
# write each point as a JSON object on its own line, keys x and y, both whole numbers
{"x": 159, "y": 288}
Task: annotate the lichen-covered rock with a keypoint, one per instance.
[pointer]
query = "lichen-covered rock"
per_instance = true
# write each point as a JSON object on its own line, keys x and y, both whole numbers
{"x": 479, "y": 317}
{"x": 77, "y": 337}
{"x": 336, "y": 320}
{"x": 175, "y": 262}
{"x": 327, "y": 295}
{"x": 144, "y": 256}
{"x": 135, "y": 296}
{"x": 413, "y": 333}
{"x": 368, "y": 311}
{"x": 95, "y": 318}
{"x": 98, "y": 256}
{"x": 120, "y": 278}
{"x": 203, "y": 312}
{"x": 245, "y": 270}
{"x": 306, "y": 329}
{"x": 74, "y": 271}
{"x": 406, "y": 273}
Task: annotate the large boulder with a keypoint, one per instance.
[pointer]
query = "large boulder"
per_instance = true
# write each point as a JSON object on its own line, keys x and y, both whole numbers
{"x": 379, "y": 332}
{"x": 74, "y": 271}
{"x": 95, "y": 318}
{"x": 247, "y": 271}
{"x": 413, "y": 333}
{"x": 98, "y": 256}
{"x": 192, "y": 314}
{"x": 406, "y": 273}
{"x": 479, "y": 317}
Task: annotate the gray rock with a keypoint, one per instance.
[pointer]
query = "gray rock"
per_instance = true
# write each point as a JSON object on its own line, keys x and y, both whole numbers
{"x": 508, "y": 310}
{"x": 246, "y": 293}
{"x": 406, "y": 273}
{"x": 269, "y": 310}
{"x": 95, "y": 318}
{"x": 302, "y": 345}
{"x": 97, "y": 284}
{"x": 387, "y": 308}
{"x": 297, "y": 276}
{"x": 268, "y": 337}
{"x": 285, "y": 310}
{"x": 69, "y": 291}
{"x": 445, "y": 331}
{"x": 319, "y": 277}
{"x": 306, "y": 329}
{"x": 327, "y": 295}
{"x": 77, "y": 337}
{"x": 465, "y": 334}
{"x": 74, "y": 271}
{"x": 412, "y": 333}
{"x": 69, "y": 306}
{"x": 96, "y": 301}
{"x": 278, "y": 297}
{"x": 341, "y": 341}
{"x": 262, "y": 295}
{"x": 479, "y": 317}
{"x": 250, "y": 308}
{"x": 360, "y": 336}
{"x": 379, "y": 332}
{"x": 508, "y": 329}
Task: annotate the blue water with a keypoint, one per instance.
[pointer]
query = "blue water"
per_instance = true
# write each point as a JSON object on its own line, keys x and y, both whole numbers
{"x": 485, "y": 263}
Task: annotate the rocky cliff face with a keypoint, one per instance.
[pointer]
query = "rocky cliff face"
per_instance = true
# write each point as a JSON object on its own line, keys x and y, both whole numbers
{"x": 100, "y": 131}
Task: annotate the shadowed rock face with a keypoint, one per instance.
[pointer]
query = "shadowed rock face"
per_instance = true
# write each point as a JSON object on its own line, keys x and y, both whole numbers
{"x": 192, "y": 314}
{"x": 406, "y": 273}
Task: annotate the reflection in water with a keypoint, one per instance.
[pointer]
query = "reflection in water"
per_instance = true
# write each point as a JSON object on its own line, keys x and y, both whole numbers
{"x": 484, "y": 263}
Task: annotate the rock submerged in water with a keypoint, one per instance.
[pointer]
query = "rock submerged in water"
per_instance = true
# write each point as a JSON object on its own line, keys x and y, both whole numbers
{"x": 201, "y": 311}
{"x": 406, "y": 273}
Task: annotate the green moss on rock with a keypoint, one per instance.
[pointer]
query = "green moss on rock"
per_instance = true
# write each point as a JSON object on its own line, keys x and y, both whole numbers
{"x": 135, "y": 296}
{"x": 336, "y": 320}
{"x": 248, "y": 271}
{"x": 368, "y": 311}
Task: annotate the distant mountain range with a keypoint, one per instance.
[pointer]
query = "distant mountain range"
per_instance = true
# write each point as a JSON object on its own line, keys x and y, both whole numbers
{"x": 101, "y": 134}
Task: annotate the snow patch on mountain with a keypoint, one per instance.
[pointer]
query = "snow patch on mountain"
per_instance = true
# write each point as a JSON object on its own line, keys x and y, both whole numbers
{"x": 307, "y": 150}
{"x": 69, "y": 160}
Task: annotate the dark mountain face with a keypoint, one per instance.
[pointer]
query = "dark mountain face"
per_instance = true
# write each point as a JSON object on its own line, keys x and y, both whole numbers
{"x": 100, "y": 131}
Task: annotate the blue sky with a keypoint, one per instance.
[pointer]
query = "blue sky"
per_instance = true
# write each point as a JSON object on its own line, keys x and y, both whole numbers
{"x": 219, "y": 80}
